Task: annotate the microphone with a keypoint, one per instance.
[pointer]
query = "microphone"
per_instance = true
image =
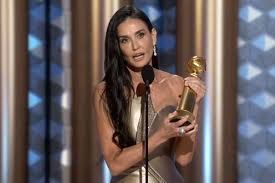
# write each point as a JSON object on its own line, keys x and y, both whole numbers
{"x": 148, "y": 74}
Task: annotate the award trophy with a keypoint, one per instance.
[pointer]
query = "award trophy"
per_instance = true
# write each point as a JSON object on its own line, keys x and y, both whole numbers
{"x": 195, "y": 67}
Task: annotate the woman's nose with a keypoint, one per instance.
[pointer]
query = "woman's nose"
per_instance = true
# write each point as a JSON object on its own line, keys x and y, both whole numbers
{"x": 135, "y": 44}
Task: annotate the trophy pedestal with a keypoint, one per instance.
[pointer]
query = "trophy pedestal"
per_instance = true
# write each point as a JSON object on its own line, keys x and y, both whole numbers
{"x": 181, "y": 114}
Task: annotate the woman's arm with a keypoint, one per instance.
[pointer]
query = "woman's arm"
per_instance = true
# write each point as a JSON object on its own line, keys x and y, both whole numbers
{"x": 185, "y": 146}
{"x": 119, "y": 160}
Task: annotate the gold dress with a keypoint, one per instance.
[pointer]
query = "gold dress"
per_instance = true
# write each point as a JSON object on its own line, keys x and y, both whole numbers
{"x": 161, "y": 163}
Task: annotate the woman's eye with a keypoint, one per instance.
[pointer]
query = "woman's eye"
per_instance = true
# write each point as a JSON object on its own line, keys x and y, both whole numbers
{"x": 123, "y": 41}
{"x": 141, "y": 35}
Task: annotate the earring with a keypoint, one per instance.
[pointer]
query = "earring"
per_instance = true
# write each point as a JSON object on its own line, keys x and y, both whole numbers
{"x": 155, "y": 50}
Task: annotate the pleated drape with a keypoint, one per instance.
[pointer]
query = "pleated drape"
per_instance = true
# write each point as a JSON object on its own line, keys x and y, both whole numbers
{"x": 13, "y": 91}
{"x": 208, "y": 28}
{"x": 89, "y": 22}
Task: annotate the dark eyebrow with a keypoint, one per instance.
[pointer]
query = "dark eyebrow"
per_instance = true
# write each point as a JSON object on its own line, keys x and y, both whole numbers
{"x": 124, "y": 36}
{"x": 141, "y": 30}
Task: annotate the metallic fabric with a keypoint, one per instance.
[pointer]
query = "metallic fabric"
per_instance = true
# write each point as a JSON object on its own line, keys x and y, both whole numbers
{"x": 162, "y": 167}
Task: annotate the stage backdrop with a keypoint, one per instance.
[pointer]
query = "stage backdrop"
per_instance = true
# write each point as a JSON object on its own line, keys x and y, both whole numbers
{"x": 49, "y": 91}
{"x": 256, "y": 83}
{"x": 256, "y": 91}
{"x": 163, "y": 16}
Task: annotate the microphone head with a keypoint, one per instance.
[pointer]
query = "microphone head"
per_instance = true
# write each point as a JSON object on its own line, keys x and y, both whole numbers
{"x": 147, "y": 73}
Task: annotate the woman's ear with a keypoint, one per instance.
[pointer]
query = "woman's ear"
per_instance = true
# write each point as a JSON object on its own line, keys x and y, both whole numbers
{"x": 154, "y": 36}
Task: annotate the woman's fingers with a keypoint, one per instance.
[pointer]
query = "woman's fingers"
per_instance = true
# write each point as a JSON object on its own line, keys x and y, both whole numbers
{"x": 195, "y": 81}
{"x": 180, "y": 122}
{"x": 171, "y": 115}
{"x": 188, "y": 130}
{"x": 199, "y": 89}
{"x": 177, "y": 129}
{"x": 192, "y": 131}
{"x": 197, "y": 85}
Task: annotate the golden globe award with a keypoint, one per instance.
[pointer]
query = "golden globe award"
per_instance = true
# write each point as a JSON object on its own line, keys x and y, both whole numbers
{"x": 195, "y": 67}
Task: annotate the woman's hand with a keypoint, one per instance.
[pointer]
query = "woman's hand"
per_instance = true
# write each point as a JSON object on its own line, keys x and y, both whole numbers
{"x": 197, "y": 85}
{"x": 174, "y": 129}
{"x": 191, "y": 129}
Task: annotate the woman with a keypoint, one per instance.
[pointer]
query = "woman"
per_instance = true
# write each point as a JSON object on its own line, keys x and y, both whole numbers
{"x": 130, "y": 45}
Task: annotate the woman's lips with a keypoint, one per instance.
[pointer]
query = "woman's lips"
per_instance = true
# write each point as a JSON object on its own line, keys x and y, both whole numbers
{"x": 138, "y": 57}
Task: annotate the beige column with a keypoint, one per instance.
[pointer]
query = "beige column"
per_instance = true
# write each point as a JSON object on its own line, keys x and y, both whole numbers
{"x": 221, "y": 45}
{"x": 89, "y": 22}
{"x": 1, "y": 96}
{"x": 209, "y": 28}
{"x": 13, "y": 91}
{"x": 81, "y": 169}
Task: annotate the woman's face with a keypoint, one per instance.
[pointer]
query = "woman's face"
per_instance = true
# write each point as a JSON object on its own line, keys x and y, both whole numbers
{"x": 136, "y": 42}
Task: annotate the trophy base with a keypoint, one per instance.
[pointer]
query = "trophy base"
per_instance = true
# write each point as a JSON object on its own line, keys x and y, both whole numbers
{"x": 181, "y": 114}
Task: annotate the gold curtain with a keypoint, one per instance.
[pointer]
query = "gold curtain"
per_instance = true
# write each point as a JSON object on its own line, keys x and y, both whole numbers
{"x": 13, "y": 91}
{"x": 89, "y": 21}
{"x": 209, "y": 28}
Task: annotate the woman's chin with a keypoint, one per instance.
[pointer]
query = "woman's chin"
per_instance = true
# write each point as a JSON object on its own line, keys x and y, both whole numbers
{"x": 137, "y": 66}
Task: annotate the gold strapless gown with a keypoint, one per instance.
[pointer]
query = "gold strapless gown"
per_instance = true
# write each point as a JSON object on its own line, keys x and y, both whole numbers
{"x": 162, "y": 167}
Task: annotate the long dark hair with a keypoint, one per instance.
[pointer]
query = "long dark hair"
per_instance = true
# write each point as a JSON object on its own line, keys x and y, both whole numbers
{"x": 118, "y": 81}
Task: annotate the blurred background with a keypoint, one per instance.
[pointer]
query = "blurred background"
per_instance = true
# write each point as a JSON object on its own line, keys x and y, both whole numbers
{"x": 51, "y": 57}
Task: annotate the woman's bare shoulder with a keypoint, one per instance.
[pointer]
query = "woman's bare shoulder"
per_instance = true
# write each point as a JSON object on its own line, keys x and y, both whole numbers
{"x": 100, "y": 86}
{"x": 99, "y": 89}
{"x": 170, "y": 79}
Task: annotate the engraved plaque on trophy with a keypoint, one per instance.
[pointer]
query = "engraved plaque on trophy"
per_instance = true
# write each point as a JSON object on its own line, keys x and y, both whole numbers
{"x": 195, "y": 67}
